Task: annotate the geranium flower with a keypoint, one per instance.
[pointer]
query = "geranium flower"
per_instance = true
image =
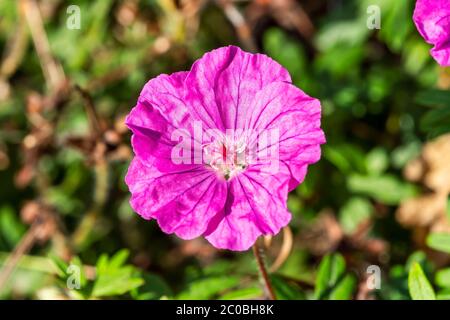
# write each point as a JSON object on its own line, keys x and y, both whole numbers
{"x": 432, "y": 19}
{"x": 201, "y": 166}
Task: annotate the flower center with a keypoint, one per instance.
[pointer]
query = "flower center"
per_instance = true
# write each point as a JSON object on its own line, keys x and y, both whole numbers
{"x": 226, "y": 156}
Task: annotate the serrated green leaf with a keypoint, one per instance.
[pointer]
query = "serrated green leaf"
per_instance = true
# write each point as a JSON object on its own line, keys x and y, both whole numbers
{"x": 119, "y": 258}
{"x": 113, "y": 277}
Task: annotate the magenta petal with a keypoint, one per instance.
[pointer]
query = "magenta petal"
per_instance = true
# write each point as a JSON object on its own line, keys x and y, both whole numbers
{"x": 441, "y": 52}
{"x": 256, "y": 205}
{"x": 159, "y": 112}
{"x": 225, "y": 89}
{"x": 298, "y": 165}
{"x": 147, "y": 126}
{"x": 182, "y": 202}
{"x": 224, "y": 81}
{"x": 165, "y": 94}
{"x": 432, "y": 19}
{"x": 296, "y": 117}
{"x": 145, "y": 117}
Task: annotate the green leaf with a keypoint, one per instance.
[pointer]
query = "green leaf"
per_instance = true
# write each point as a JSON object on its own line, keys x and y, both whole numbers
{"x": 385, "y": 188}
{"x": 330, "y": 268}
{"x": 433, "y": 97}
{"x": 346, "y": 157}
{"x": 218, "y": 268}
{"x": 442, "y": 278}
{"x": 404, "y": 153}
{"x": 396, "y": 24}
{"x": 243, "y": 294}
{"x": 439, "y": 242}
{"x": 436, "y": 121}
{"x": 418, "y": 284}
{"x": 154, "y": 287}
{"x": 332, "y": 282}
{"x": 421, "y": 258}
{"x": 416, "y": 55}
{"x": 353, "y": 213}
{"x": 443, "y": 294}
{"x": 77, "y": 262}
{"x": 344, "y": 289}
{"x": 285, "y": 290}
{"x": 296, "y": 266}
{"x": 340, "y": 59}
{"x": 288, "y": 52}
{"x": 113, "y": 277}
{"x": 342, "y": 33}
{"x": 377, "y": 161}
{"x": 11, "y": 228}
{"x": 70, "y": 272}
{"x": 207, "y": 288}
{"x": 119, "y": 259}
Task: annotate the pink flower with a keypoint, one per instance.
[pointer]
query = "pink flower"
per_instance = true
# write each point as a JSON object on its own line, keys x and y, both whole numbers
{"x": 237, "y": 190}
{"x": 432, "y": 18}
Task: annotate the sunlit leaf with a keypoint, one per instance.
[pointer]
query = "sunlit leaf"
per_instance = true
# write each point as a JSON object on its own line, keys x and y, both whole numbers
{"x": 385, "y": 188}
{"x": 418, "y": 284}
{"x": 439, "y": 241}
{"x": 442, "y": 278}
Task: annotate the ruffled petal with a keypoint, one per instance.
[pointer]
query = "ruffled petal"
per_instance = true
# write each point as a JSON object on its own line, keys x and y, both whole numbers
{"x": 165, "y": 95}
{"x": 255, "y": 205}
{"x": 160, "y": 121}
{"x": 442, "y": 55}
{"x": 294, "y": 117}
{"x": 441, "y": 50}
{"x": 224, "y": 81}
{"x": 182, "y": 202}
{"x": 432, "y": 18}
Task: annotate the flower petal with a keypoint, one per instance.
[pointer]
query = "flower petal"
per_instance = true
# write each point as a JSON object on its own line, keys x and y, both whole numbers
{"x": 165, "y": 94}
{"x": 255, "y": 205}
{"x": 285, "y": 109}
{"x": 182, "y": 202}
{"x": 158, "y": 119}
{"x": 432, "y": 18}
{"x": 224, "y": 81}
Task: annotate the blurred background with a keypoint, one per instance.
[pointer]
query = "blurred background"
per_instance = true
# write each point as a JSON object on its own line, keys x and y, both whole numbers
{"x": 71, "y": 70}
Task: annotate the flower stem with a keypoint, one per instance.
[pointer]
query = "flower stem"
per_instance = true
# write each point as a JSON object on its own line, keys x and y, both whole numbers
{"x": 258, "y": 252}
